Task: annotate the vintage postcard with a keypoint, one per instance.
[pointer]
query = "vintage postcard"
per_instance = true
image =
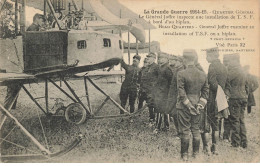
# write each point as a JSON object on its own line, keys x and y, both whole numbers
{"x": 129, "y": 81}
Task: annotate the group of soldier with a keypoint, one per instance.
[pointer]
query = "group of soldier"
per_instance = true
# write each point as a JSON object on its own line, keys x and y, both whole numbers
{"x": 178, "y": 90}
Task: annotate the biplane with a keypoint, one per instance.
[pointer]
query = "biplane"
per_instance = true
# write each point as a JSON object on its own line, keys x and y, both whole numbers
{"x": 53, "y": 56}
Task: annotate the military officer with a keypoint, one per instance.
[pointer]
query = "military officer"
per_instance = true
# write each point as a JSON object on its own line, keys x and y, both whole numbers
{"x": 237, "y": 90}
{"x": 149, "y": 79}
{"x": 161, "y": 91}
{"x": 130, "y": 85}
{"x": 204, "y": 120}
{"x": 176, "y": 65}
{"x": 193, "y": 92}
{"x": 227, "y": 125}
{"x": 253, "y": 85}
{"x": 217, "y": 75}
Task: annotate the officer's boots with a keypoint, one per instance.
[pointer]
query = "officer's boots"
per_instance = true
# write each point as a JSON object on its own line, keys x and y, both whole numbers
{"x": 195, "y": 146}
{"x": 151, "y": 114}
{"x": 166, "y": 118}
{"x": 214, "y": 142}
{"x": 205, "y": 141}
{"x": 184, "y": 148}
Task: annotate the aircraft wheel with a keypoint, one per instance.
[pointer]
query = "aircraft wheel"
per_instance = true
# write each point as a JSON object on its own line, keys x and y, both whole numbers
{"x": 75, "y": 113}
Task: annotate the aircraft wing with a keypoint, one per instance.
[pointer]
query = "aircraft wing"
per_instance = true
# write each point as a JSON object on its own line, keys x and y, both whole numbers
{"x": 102, "y": 73}
{"x": 99, "y": 74}
{"x": 6, "y": 78}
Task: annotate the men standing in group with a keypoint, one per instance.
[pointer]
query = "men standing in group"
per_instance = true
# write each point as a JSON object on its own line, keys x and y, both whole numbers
{"x": 130, "y": 85}
{"x": 237, "y": 91}
{"x": 217, "y": 75}
{"x": 193, "y": 92}
{"x": 149, "y": 79}
{"x": 161, "y": 92}
{"x": 176, "y": 65}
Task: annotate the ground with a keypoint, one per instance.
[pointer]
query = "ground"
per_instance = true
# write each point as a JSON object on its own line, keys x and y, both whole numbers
{"x": 119, "y": 139}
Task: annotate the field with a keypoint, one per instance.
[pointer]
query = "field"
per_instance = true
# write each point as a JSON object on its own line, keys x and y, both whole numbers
{"x": 120, "y": 139}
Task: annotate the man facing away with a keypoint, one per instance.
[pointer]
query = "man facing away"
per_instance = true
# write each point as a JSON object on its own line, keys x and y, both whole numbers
{"x": 237, "y": 91}
{"x": 227, "y": 125}
{"x": 193, "y": 92}
{"x": 253, "y": 85}
{"x": 217, "y": 75}
{"x": 176, "y": 65}
{"x": 130, "y": 85}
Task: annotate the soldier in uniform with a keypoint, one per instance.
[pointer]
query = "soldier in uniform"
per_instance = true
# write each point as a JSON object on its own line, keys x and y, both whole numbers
{"x": 217, "y": 75}
{"x": 227, "y": 125}
{"x": 204, "y": 120}
{"x": 237, "y": 91}
{"x": 130, "y": 85}
{"x": 193, "y": 92}
{"x": 149, "y": 79}
{"x": 142, "y": 96}
{"x": 253, "y": 85}
{"x": 176, "y": 65}
{"x": 161, "y": 92}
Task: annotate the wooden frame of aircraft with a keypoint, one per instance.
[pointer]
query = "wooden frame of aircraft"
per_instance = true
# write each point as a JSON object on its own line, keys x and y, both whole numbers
{"x": 49, "y": 56}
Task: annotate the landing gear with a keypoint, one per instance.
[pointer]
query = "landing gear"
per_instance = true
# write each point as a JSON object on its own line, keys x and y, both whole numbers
{"x": 75, "y": 113}
{"x": 33, "y": 134}
{"x": 35, "y": 137}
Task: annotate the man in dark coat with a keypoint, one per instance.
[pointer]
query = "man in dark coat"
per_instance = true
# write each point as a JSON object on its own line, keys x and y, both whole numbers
{"x": 217, "y": 75}
{"x": 204, "y": 120}
{"x": 237, "y": 91}
{"x": 149, "y": 79}
{"x": 176, "y": 65}
{"x": 130, "y": 85}
{"x": 193, "y": 92}
{"x": 162, "y": 90}
{"x": 227, "y": 125}
{"x": 253, "y": 85}
{"x": 38, "y": 22}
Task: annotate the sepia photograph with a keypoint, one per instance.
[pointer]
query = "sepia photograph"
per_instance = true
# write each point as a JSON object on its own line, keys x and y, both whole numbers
{"x": 129, "y": 81}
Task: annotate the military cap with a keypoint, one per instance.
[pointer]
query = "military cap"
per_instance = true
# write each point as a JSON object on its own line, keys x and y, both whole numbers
{"x": 38, "y": 16}
{"x": 145, "y": 60}
{"x": 190, "y": 54}
{"x": 213, "y": 52}
{"x": 151, "y": 54}
{"x": 163, "y": 55}
{"x": 225, "y": 56}
{"x": 234, "y": 56}
{"x": 137, "y": 57}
